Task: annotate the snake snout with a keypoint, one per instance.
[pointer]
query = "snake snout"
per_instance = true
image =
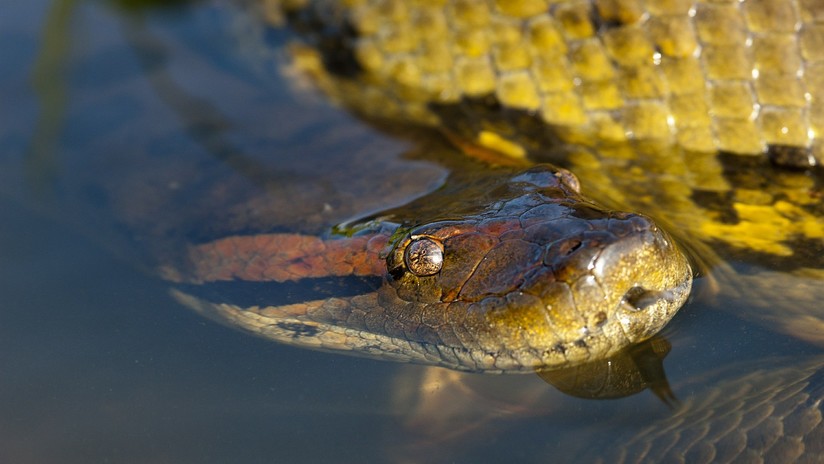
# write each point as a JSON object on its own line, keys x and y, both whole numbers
{"x": 625, "y": 275}
{"x": 643, "y": 274}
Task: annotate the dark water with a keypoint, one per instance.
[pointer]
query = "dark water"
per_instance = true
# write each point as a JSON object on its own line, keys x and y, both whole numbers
{"x": 99, "y": 364}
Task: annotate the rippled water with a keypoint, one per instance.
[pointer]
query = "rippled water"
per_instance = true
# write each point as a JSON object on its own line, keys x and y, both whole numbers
{"x": 99, "y": 364}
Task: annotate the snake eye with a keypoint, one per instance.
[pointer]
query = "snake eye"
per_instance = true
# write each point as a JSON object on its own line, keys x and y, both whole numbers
{"x": 424, "y": 256}
{"x": 569, "y": 179}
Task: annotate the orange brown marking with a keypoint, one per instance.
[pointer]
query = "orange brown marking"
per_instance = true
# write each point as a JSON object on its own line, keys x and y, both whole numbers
{"x": 285, "y": 257}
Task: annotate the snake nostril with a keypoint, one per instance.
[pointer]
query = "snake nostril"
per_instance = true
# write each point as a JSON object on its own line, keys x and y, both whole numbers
{"x": 569, "y": 247}
{"x": 640, "y": 298}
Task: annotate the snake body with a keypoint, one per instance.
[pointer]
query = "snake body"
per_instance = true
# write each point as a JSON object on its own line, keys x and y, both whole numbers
{"x": 769, "y": 411}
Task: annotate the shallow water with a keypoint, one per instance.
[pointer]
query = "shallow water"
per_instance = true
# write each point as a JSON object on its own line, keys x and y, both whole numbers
{"x": 101, "y": 365}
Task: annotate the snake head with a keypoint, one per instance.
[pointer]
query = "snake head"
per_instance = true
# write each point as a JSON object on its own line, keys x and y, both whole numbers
{"x": 536, "y": 277}
{"x": 517, "y": 273}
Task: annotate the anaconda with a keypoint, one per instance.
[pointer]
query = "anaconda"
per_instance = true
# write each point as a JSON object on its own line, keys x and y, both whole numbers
{"x": 218, "y": 193}
{"x": 503, "y": 271}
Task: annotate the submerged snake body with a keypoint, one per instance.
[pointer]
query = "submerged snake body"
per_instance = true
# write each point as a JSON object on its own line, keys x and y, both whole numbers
{"x": 764, "y": 412}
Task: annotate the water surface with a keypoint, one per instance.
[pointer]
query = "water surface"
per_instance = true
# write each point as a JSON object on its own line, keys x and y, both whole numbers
{"x": 101, "y": 365}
